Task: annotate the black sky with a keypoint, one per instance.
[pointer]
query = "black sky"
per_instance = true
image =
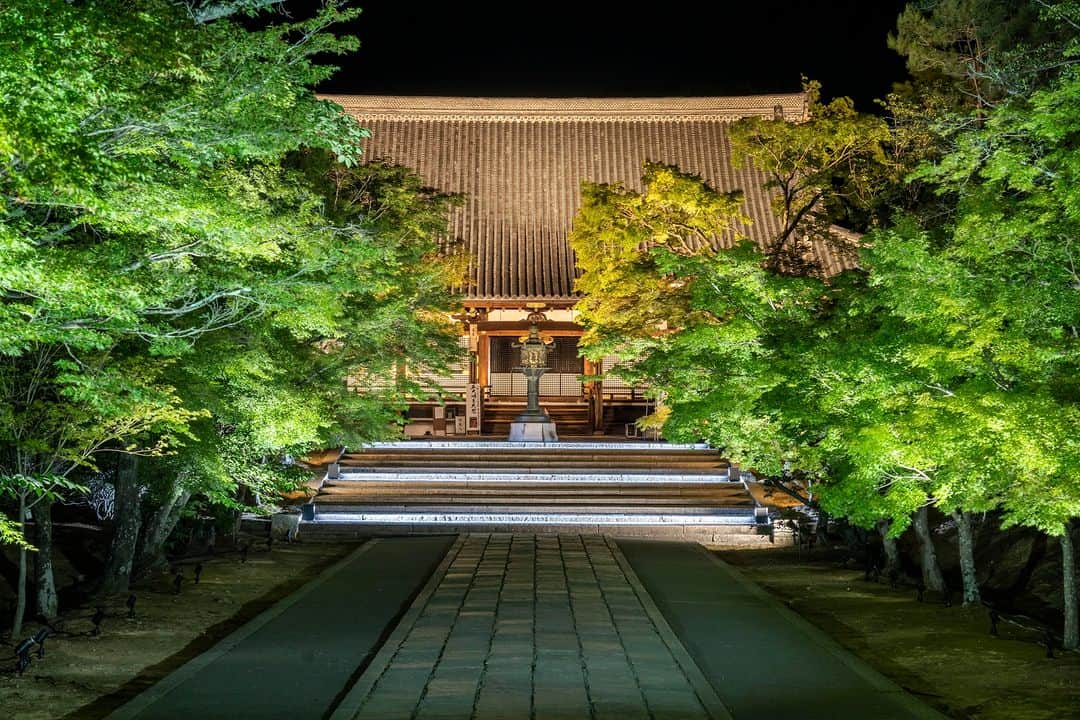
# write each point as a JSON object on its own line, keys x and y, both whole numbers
{"x": 671, "y": 47}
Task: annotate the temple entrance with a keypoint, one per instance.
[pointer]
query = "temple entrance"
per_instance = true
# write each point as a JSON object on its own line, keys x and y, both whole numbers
{"x": 561, "y": 392}
{"x": 562, "y": 380}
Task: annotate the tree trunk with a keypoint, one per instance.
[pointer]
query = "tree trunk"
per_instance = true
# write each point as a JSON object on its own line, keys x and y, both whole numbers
{"x": 159, "y": 527}
{"x": 967, "y": 557}
{"x": 931, "y": 570}
{"x": 117, "y": 577}
{"x": 888, "y": 544}
{"x": 1071, "y": 639}
{"x": 20, "y": 591}
{"x": 47, "y": 603}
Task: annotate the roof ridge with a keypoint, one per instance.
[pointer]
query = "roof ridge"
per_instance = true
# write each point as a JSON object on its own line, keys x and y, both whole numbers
{"x": 793, "y": 106}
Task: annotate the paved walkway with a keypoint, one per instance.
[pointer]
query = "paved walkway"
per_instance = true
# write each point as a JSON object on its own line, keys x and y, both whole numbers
{"x": 532, "y": 627}
{"x": 763, "y": 659}
{"x": 295, "y": 659}
{"x": 526, "y": 627}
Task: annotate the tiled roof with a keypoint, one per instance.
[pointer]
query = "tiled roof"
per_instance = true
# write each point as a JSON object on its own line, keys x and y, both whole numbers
{"x": 793, "y": 106}
{"x": 520, "y": 163}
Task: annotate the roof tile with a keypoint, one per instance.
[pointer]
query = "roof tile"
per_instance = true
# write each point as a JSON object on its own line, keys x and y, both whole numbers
{"x": 520, "y": 163}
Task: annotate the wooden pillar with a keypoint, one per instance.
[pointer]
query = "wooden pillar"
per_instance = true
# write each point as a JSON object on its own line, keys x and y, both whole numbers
{"x": 483, "y": 353}
{"x": 474, "y": 352}
{"x": 595, "y": 394}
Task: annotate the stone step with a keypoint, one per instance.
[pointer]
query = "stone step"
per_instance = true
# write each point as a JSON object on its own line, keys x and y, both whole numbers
{"x": 528, "y": 464}
{"x": 724, "y": 516}
{"x": 362, "y": 506}
{"x": 327, "y": 500}
{"x": 526, "y": 500}
{"x": 643, "y": 505}
{"x": 483, "y": 495}
{"x": 539, "y": 478}
{"x": 532, "y": 491}
{"x": 447, "y": 469}
{"x": 532, "y": 456}
{"x": 553, "y": 450}
{"x": 517, "y": 456}
{"x": 560, "y": 447}
{"x": 511, "y": 468}
{"x": 561, "y": 504}
{"x": 538, "y": 455}
{"x": 676, "y": 493}
{"x": 741, "y": 535}
{"x": 535, "y": 468}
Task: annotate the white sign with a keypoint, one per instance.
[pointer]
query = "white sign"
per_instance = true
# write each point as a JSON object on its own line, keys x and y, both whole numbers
{"x": 473, "y": 405}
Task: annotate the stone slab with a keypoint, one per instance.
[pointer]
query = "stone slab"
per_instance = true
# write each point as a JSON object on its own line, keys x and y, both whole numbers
{"x": 762, "y": 659}
{"x": 483, "y": 478}
{"x": 498, "y": 445}
{"x": 533, "y": 432}
{"x": 294, "y": 659}
{"x": 543, "y": 626}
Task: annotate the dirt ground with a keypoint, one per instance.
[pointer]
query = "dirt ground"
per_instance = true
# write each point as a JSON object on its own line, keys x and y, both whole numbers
{"x": 944, "y": 655}
{"x": 83, "y": 676}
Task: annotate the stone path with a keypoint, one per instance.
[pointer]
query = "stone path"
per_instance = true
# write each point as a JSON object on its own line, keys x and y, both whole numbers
{"x": 763, "y": 659}
{"x": 296, "y": 658}
{"x": 526, "y": 627}
{"x": 532, "y": 627}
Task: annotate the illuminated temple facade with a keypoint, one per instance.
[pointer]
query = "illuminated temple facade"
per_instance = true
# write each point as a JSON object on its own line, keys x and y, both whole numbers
{"x": 519, "y": 164}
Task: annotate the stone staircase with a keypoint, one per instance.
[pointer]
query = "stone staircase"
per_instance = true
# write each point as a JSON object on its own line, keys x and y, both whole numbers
{"x": 614, "y": 488}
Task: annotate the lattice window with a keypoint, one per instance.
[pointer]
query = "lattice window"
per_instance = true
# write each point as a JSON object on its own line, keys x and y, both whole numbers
{"x": 563, "y": 379}
{"x": 551, "y": 384}
{"x": 454, "y": 383}
{"x": 562, "y": 355}
{"x": 504, "y": 356}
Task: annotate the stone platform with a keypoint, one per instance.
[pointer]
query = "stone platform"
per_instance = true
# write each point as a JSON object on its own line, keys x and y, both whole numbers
{"x": 533, "y": 432}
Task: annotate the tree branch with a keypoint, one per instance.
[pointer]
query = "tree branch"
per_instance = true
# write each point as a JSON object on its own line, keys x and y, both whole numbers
{"x": 208, "y": 13}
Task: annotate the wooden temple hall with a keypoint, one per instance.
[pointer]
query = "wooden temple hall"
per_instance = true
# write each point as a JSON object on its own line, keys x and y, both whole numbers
{"x": 519, "y": 163}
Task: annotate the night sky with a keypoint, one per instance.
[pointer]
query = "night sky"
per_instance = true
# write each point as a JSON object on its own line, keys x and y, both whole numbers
{"x": 554, "y": 49}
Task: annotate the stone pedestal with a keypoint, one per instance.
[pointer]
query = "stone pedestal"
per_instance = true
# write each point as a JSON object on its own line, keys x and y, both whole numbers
{"x": 542, "y": 431}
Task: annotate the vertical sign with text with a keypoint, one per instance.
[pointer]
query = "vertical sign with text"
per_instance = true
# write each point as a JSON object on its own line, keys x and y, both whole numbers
{"x": 473, "y": 405}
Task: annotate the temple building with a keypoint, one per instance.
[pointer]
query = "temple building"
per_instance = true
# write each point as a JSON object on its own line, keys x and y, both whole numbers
{"x": 519, "y": 164}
